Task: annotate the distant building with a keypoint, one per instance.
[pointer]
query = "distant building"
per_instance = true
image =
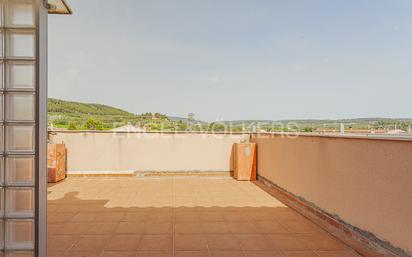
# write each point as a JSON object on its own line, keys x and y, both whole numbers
{"x": 396, "y": 131}
{"x": 190, "y": 121}
{"x": 129, "y": 128}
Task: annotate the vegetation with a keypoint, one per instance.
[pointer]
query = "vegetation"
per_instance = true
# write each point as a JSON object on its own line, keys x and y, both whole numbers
{"x": 82, "y": 116}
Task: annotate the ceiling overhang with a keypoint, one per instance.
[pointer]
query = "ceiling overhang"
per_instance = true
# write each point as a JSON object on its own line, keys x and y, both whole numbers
{"x": 59, "y": 7}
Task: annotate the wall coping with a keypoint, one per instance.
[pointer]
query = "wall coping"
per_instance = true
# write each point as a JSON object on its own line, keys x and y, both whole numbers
{"x": 389, "y": 137}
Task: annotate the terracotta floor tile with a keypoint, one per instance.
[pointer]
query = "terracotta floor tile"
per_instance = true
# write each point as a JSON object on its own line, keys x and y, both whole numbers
{"x": 254, "y": 242}
{"x": 188, "y": 216}
{"x": 188, "y": 228}
{"x": 82, "y": 254}
{"x": 211, "y": 216}
{"x": 156, "y": 243}
{"x": 223, "y": 242}
{"x": 245, "y": 227}
{"x": 300, "y": 254}
{"x": 118, "y": 254}
{"x": 190, "y": 242}
{"x": 156, "y": 228}
{"x": 53, "y": 208}
{"x": 101, "y": 228}
{"x": 130, "y": 228}
{"x": 135, "y": 216}
{"x": 123, "y": 243}
{"x": 84, "y": 217}
{"x": 52, "y": 228}
{"x": 90, "y": 243}
{"x": 321, "y": 242}
{"x": 270, "y": 227}
{"x": 153, "y": 254}
{"x": 227, "y": 254}
{"x": 160, "y": 217}
{"x": 261, "y": 216}
{"x": 61, "y": 243}
{"x": 287, "y": 214}
{"x": 54, "y": 254}
{"x": 287, "y": 242}
{"x": 216, "y": 227}
{"x": 191, "y": 254}
{"x": 301, "y": 226}
{"x": 264, "y": 254}
{"x": 337, "y": 254}
{"x": 109, "y": 217}
{"x": 68, "y": 208}
{"x": 236, "y": 216}
{"x": 60, "y": 218}
{"x": 72, "y": 228}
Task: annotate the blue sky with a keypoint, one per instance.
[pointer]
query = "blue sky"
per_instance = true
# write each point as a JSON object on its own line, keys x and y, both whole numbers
{"x": 236, "y": 59}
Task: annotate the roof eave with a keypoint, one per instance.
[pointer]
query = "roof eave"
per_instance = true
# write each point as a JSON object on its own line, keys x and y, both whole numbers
{"x": 64, "y": 9}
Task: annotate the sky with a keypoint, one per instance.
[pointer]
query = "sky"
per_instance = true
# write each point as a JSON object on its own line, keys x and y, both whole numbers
{"x": 236, "y": 59}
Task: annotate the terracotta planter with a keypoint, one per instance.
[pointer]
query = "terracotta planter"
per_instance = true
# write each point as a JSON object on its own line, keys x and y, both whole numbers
{"x": 56, "y": 162}
{"x": 244, "y": 161}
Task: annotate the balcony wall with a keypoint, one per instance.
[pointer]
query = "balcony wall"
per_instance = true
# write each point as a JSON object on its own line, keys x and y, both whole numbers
{"x": 102, "y": 151}
{"x": 365, "y": 182}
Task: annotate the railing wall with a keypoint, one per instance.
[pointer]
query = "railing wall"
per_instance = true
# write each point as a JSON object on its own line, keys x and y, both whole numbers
{"x": 102, "y": 151}
{"x": 365, "y": 182}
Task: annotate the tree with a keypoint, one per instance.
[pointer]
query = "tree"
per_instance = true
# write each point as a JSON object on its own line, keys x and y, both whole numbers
{"x": 307, "y": 129}
{"x": 93, "y": 124}
{"x": 72, "y": 126}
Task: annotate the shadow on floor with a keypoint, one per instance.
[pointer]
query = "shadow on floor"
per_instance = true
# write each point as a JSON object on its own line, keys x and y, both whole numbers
{"x": 88, "y": 228}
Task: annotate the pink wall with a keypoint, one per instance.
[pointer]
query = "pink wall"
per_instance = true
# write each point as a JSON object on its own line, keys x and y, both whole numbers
{"x": 366, "y": 182}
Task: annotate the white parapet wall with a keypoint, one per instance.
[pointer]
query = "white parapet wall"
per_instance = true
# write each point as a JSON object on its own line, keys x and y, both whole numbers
{"x": 103, "y": 152}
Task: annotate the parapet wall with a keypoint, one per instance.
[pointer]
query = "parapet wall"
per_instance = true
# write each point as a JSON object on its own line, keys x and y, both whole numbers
{"x": 364, "y": 182}
{"x": 155, "y": 152}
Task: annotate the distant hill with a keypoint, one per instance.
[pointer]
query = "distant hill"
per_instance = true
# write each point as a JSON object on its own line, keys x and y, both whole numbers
{"x": 76, "y": 115}
{"x": 327, "y": 121}
{"x": 76, "y": 108}
{"x": 173, "y": 118}
{"x": 79, "y": 116}
{"x": 308, "y": 125}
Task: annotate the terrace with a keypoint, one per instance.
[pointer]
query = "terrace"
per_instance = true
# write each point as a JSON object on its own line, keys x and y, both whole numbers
{"x": 179, "y": 217}
{"x": 301, "y": 205}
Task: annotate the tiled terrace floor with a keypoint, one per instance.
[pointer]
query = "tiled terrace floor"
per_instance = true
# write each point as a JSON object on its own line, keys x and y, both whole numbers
{"x": 182, "y": 217}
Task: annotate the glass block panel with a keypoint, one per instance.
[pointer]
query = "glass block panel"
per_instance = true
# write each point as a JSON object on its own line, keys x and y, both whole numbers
{"x": 20, "y": 254}
{"x": 20, "y": 138}
{"x": 20, "y": 171}
{"x": 1, "y": 43}
{"x": 1, "y": 17}
{"x": 2, "y": 171}
{"x": 1, "y": 139}
{"x": 2, "y": 202}
{"x": 1, "y": 234}
{"x": 20, "y": 44}
{"x": 1, "y": 107}
{"x": 1, "y": 68}
{"x": 20, "y": 75}
{"x": 19, "y": 202}
{"x": 19, "y": 234}
{"x": 20, "y": 13}
{"x": 20, "y": 107}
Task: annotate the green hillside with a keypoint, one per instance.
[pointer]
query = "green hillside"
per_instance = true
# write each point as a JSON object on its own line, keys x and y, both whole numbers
{"x": 79, "y": 116}
{"x": 75, "y": 108}
{"x": 90, "y": 116}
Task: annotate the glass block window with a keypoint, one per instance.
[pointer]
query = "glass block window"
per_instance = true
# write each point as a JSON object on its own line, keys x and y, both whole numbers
{"x": 18, "y": 127}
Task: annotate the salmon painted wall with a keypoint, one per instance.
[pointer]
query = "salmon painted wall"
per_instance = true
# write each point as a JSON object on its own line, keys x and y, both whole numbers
{"x": 366, "y": 182}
